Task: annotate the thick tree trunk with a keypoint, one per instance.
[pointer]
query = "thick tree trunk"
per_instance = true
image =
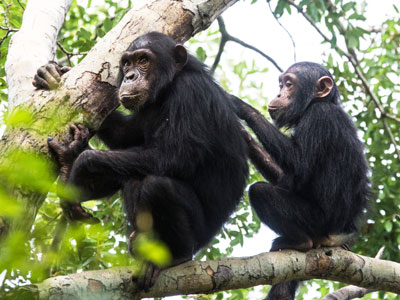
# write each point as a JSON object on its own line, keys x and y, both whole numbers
{"x": 227, "y": 273}
{"x": 86, "y": 94}
{"x": 40, "y": 26}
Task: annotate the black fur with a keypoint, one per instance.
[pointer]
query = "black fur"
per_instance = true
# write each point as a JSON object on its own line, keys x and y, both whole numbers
{"x": 324, "y": 188}
{"x": 181, "y": 157}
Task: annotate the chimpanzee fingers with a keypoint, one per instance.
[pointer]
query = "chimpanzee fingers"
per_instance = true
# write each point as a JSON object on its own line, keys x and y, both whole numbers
{"x": 149, "y": 277}
{"x": 75, "y": 131}
{"x": 85, "y": 132}
{"x": 65, "y": 69}
{"x": 81, "y": 133}
{"x": 55, "y": 71}
{"x": 75, "y": 212}
{"x": 51, "y": 77}
{"x": 40, "y": 83}
{"x": 154, "y": 276}
{"x": 56, "y": 146}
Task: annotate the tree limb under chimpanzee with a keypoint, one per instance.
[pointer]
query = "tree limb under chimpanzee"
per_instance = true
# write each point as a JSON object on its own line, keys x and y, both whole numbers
{"x": 206, "y": 277}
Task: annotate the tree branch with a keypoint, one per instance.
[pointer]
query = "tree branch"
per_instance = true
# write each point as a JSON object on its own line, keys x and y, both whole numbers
{"x": 38, "y": 33}
{"x": 226, "y": 37}
{"x": 228, "y": 273}
{"x": 352, "y": 291}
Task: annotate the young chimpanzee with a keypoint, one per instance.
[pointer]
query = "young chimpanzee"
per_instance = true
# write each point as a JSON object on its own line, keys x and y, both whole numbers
{"x": 319, "y": 192}
{"x": 180, "y": 157}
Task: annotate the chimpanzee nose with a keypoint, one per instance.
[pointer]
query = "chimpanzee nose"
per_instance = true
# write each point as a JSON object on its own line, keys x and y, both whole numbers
{"x": 131, "y": 75}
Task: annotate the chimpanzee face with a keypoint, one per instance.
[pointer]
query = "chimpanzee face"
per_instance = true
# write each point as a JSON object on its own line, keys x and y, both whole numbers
{"x": 148, "y": 66}
{"x": 287, "y": 87}
{"x": 138, "y": 68}
{"x": 296, "y": 92}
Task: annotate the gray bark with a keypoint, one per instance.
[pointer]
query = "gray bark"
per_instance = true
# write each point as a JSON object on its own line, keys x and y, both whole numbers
{"x": 228, "y": 273}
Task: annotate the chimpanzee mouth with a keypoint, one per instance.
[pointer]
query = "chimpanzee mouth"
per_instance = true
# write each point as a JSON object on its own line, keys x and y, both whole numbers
{"x": 131, "y": 101}
{"x": 128, "y": 97}
{"x": 273, "y": 108}
{"x": 273, "y": 112}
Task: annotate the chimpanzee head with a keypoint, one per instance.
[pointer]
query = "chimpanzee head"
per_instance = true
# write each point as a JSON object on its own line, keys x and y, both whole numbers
{"x": 147, "y": 67}
{"x": 300, "y": 86}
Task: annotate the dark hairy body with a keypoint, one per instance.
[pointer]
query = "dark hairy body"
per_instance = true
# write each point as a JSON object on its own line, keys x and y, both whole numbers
{"x": 179, "y": 157}
{"x": 320, "y": 192}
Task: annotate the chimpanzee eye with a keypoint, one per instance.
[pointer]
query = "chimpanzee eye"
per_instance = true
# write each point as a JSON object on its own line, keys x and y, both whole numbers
{"x": 143, "y": 60}
{"x": 280, "y": 85}
{"x": 288, "y": 84}
{"x": 126, "y": 63}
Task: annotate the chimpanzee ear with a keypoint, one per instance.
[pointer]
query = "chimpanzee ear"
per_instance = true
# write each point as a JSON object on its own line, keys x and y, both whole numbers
{"x": 181, "y": 57}
{"x": 324, "y": 87}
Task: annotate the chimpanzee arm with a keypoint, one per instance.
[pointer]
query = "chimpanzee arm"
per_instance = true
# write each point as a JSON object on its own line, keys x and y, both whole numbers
{"x": 276, "y": 144}
{"x": 101, "y": 173}
{"x": 264, "y": 162}
{"x": 119, "y": 131}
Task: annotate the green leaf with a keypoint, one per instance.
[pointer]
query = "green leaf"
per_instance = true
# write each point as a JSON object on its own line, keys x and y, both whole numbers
{"x": 279, "y": 8}
{"x": 346, "y": 7}
{"x": 304, "y": 3}
{"x": 107, "y": 24}
{"x": 84, "y": 34}
{"x": 314, "y": 12}
{"x": 201, "y": 54}
{"x": 388, "y": 226}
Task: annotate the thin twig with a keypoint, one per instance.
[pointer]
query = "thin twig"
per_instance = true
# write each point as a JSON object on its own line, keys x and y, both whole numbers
{"x": 9, "y": 29}
{"x": 284, "y": 28}
{"x": 225, "y": 37}
{"x": 69, "y": 54}
{"x": 23, "y": 8}
{"x": 6, "y": 6}
{"x": 326, "y": 39}
{"x": 221, "y": 46}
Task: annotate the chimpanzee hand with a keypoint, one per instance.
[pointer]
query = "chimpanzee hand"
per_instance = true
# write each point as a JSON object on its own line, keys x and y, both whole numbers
{"x": 48, "y": 77}
{"x": 66, "y": 154}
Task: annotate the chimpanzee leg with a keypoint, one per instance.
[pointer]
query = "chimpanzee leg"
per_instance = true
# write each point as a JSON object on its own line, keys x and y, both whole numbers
{"x": 92, "y": 184}
{"x": 283, "y": 291}
{"x": 177, "y": 216}
{"x": 287, "y": 215}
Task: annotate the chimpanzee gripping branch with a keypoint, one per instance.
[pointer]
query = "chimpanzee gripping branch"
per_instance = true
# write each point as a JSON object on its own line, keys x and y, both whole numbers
{"x": 85, "y": 90}
{"x": 228, "y": 273}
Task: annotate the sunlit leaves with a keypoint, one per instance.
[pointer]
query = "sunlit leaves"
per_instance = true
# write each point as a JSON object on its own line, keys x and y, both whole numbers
{"x": 201, "y": 54}
{"x": 150, "y": 249}
{"x": 28, "y": 170}
{"x": 20, "y": 118}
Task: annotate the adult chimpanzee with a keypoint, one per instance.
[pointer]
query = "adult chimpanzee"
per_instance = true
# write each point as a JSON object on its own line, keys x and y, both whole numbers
{"x": 180, "y": 156}
{"x": 318, "y": 188}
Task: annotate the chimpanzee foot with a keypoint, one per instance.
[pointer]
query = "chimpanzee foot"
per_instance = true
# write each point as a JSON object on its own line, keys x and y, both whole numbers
{"x": 75, "y": 212}
{"x": 150, "y": 272}
{"x": 281, "y": 243}
{"x": 149, "y": 276}
{"x": 345, "y": 247}
{"x": 283, "y": 291}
